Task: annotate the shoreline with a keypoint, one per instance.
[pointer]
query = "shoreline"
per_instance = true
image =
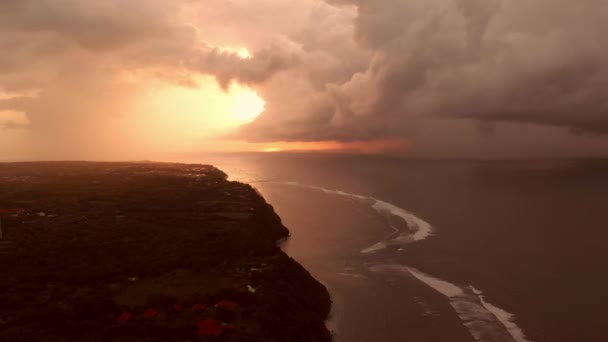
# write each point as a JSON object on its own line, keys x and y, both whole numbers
{"x": 480, "y": 317}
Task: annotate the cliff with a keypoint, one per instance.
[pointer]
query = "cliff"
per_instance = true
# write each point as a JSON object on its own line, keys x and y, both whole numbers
{"x": 147, "y": 252}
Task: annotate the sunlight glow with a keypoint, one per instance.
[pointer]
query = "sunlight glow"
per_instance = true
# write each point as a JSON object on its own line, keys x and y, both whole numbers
{"x": 394, "y": 146}
{"x": 13, "y": 118}
{"x": 373, "y": 146}
{"x": 246, "y": 105}
{"x": 175, "y": 117}
{"x": 241, "y": 51}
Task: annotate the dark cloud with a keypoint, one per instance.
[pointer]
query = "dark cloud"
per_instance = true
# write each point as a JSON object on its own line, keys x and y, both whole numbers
{"x": 542, "y": 62}
{"x": 228, "y": 67}
{"x": 125, "y": 33}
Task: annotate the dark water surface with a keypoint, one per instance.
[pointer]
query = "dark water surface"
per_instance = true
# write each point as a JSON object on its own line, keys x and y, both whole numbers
{"x": 531, "y": 236}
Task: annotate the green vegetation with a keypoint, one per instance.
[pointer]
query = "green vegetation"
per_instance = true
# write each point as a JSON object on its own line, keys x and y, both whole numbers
{"x": 98, "y": 240}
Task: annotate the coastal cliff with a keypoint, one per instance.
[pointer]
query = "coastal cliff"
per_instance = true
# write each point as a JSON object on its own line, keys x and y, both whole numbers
{"x": 147, "y": 252}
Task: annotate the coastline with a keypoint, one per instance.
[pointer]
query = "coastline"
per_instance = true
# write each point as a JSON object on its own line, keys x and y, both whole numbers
{"x": 98, "y": 240}
{"x": 482, "y": 320}
{"x": 477, "y": 242}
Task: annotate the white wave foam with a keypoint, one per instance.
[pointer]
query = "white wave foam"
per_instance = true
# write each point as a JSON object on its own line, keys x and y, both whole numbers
{"x": 485, "y": 322}
{"x": 418, "y": 229}
{"x": 345, "y": 194}
{"x": 374, "y": 248}
{"x": 421, "y": 228}
{"x": 506, "y": 318}
{"x": 447, "y": 289}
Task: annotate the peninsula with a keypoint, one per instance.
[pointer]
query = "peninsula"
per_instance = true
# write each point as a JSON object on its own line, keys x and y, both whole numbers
{"x": 147, "y": 252}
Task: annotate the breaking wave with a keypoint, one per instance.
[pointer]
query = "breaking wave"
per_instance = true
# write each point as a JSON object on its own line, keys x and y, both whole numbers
{"x": 416, "y": 229}
{"x": 485, "y": 322}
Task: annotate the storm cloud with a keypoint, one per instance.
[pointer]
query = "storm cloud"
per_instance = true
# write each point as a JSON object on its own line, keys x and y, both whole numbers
{"x": 121, "y": 34}
{"x": 540, "y": 62}
{"x": 342, "y": 70}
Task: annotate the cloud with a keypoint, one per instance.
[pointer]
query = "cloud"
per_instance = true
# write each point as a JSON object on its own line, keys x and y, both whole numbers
{"x": 229, "y": 66}
{"x": 126, "y": 34}
{"x": 89, "y": 61}
{"x": 542, "y": 62}
{"x": 13, "y": 119}
{"x": 336, "y": 70}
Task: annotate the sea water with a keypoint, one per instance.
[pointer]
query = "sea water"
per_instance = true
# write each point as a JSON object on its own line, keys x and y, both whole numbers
{"x": 445, "y": 250}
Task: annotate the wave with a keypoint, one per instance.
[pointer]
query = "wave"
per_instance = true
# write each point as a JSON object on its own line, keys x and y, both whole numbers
{"x": 417, "y": 228}
{"x": 506, "y": 318}
{"x": 421, "y": 228}
{"x": 485, "y": 321}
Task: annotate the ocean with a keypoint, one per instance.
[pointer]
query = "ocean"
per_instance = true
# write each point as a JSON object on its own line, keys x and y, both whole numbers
{"x": 415, "y": 250}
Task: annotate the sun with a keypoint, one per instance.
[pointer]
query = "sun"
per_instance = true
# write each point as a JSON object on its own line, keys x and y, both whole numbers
{"x": 246, "y": 105}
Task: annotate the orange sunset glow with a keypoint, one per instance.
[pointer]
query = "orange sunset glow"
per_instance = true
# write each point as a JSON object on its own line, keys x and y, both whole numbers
{"x": 176, "y": 117}
{"x": 303, "y": 170}
{"x": 375, "y": 146}
{"x": 114, "y": 79}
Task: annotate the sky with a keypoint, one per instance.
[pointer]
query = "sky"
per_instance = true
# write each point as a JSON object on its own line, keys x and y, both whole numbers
{"x": 132, "y": 79}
